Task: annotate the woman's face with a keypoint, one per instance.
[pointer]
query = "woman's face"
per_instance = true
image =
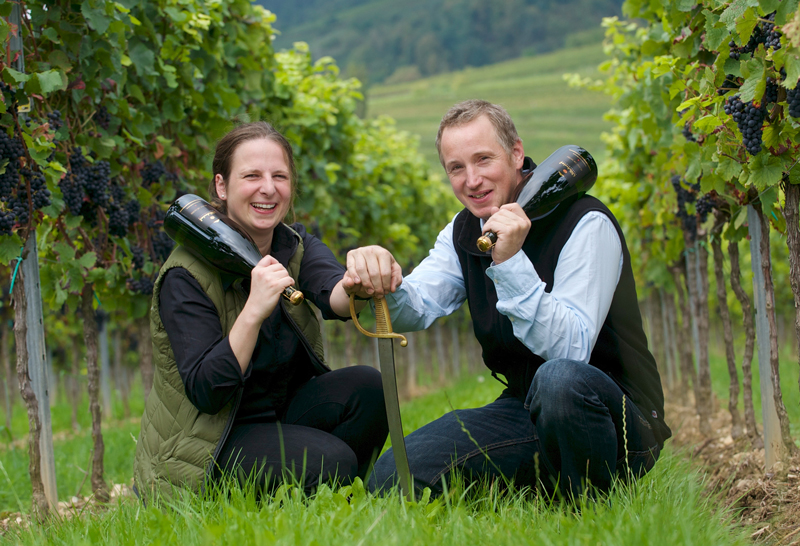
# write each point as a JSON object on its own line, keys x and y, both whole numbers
{"x": 258, "y": 192}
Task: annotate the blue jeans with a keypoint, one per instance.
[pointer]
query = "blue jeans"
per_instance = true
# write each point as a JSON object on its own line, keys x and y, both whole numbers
{"x": 567, "y": 433}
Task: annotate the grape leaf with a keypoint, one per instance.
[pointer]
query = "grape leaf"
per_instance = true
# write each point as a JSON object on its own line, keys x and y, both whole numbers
{"x": 11, "y": 76}
{"x": 52, "y": 80}
{"x": 765, "y": 171}
{"x": 756, "y": 81}
{"x": 96, "y": 16}
{"x": 10, "y": 248}
{"x": 792, "y": 66}
{"x": 786, "y": 10}
{"x": 735, "y": 10}
{"x": 87, "y": 260}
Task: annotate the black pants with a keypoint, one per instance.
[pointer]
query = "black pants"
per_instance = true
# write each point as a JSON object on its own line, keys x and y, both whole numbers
{"x": 331, "y": 430}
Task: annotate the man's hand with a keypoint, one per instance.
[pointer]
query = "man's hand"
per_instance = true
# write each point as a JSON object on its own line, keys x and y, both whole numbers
{"x": 511, "y": 225}
{"x": 371, "y": 271}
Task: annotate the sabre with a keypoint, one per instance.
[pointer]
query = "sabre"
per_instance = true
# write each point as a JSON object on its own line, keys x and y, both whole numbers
{"x": 383, "y": 331}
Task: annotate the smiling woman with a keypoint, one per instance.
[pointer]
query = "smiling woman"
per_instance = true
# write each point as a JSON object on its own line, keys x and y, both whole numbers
{"x": 241, "y": 385}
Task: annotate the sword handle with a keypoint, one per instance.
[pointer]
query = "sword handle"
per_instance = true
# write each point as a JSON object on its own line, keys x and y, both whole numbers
{"x": 383, "y": 324}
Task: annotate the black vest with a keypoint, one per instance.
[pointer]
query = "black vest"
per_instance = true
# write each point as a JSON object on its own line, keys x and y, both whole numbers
{"x": 621, "y": 348}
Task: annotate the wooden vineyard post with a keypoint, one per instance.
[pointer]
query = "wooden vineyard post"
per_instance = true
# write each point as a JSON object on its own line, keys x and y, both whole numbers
{"x": 105, "y": 363}
{"x": 773, "y": 445}
{"x": 35, "y": 340}
{"x": 37, "y": 367}
{"x": 669, "y": 344}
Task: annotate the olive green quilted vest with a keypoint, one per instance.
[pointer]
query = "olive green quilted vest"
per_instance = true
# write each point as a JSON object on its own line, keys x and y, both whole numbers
{"x": 177, "y": 442}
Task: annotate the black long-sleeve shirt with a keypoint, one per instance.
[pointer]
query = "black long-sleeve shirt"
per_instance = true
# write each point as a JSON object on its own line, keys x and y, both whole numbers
{"x": 280, "y": 363}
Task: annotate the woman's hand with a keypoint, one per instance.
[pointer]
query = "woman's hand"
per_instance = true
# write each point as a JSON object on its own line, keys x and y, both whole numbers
{"x": 268, "y": 279}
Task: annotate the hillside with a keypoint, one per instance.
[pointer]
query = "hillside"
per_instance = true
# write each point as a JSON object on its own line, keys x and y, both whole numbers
{"x": 548, "y": 114}
{"x": 376, "y": 39}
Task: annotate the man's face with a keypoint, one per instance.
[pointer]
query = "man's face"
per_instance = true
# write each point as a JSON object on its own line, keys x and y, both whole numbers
{"x": 481, "y": 173}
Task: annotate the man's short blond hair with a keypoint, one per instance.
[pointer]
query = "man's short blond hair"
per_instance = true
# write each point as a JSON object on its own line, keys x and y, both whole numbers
{"x": 468, "y": 110}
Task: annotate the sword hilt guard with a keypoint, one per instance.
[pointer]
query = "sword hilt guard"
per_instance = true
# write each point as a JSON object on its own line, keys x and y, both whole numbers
{"x": 383, "y": 324}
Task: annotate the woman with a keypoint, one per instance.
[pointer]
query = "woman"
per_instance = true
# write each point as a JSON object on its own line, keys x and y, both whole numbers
{"x": 241, "y": 386}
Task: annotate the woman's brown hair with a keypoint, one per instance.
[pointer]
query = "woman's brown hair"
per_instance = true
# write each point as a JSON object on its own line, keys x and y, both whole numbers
{"x": 226, "y": 147}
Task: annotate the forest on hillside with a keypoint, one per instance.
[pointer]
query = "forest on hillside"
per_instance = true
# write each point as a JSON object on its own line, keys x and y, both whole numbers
{"x": 376, "y": 40}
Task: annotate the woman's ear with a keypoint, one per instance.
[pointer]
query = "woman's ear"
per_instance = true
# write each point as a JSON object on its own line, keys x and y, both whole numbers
{"x": 219, "y": 182}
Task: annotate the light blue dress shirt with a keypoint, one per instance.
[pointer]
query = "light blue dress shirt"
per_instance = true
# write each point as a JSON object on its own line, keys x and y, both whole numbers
{"x": 564, "y": 323}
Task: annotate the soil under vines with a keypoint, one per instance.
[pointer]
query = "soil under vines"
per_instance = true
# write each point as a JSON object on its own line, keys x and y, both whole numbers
{"x": 767, "y": 502}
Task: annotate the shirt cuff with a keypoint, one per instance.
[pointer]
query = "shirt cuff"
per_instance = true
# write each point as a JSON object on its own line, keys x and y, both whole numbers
{"x": 514, "y": 278}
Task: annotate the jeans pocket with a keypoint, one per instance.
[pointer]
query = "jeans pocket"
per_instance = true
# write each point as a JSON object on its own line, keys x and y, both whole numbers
{"x": 638, "y": 463}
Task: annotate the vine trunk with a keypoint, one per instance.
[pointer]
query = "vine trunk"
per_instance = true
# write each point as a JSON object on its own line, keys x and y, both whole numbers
{"x": 727, "y": 329}
{"x": 792, "y": 215}
{"x": 90, "y": 339}
{"x": 41, "y": 508}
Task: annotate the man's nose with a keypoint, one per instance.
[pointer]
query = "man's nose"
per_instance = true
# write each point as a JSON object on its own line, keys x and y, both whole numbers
{"x": 474, "y": 178}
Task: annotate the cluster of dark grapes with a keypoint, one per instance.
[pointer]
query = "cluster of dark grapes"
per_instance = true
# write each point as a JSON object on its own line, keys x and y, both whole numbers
{"x": 133, "y": 208}
{"x": 11, "y": 94}
{"x": 102, "y": 117}
{"x": 765, "y": 33}
{"x": 750, "y": 120}
{"x": 687, "y": 132}
{"x": 162, "y": 245}
{"x": 138, "y": 257}
{"x": 772, "y": 37}
{"x": 153, "y": 172}
{"x": 97, "y": 182}
{"x": 705, "y": 205}
{"x": 686, "y": 195}
{"x": 40, "y": 195}
{"x": 730, "y": 83}
{"x": 54, "y": 119}
{"x": 11, "y": 149}
{"x": 117, "y": 221}
{"x": 141, "y": 286}
{"x": 793, "y": 98}
{"x": 771, "y": 91}
{"x": 14, "y": 183}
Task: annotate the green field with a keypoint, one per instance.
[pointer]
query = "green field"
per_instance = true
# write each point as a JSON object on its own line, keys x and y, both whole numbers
{"x": 668, "y": 506}
{"x": 547, "y": 112}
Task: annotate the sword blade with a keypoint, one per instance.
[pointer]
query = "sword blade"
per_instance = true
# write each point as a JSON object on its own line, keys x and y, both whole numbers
{"x": 389, "y": 378}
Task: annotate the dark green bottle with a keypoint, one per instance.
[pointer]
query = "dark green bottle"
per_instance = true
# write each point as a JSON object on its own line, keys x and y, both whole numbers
{"x": 192, "y": 222}
{"x": 566, "y": 172}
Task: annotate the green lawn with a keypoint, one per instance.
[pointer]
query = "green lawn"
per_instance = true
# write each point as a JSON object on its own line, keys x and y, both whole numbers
{"x": 666, "y": 507}
{"x": 547, "y": 113}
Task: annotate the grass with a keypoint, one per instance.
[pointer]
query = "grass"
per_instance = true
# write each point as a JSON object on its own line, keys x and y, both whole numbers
{"x": 548, "y": 114}
{"x": 667, "y": 506}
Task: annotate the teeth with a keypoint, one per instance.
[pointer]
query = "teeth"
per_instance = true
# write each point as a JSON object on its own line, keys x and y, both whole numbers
{"x": 480, "y": 195}
{"x": 263, "y": 206}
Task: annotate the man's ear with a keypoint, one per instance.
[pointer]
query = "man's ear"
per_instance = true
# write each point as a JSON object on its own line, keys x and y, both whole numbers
{"x": 518, "y": 154}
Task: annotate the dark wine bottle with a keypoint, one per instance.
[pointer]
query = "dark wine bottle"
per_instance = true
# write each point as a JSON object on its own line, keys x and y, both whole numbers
{"x": 192, "y": 222}
{"x": 566, "y": 172}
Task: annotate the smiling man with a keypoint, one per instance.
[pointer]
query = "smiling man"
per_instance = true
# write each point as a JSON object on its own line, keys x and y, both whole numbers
{"x": 554, "y": 308}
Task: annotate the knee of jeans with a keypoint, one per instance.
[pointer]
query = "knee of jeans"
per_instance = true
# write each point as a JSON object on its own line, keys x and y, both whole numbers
{"x": 556, "y": 388}
{"x": 383, "y": 473}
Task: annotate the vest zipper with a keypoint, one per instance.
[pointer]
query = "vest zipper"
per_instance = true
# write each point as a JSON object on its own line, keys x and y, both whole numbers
{"x": 320, "y": 366}
{"x": 225, "y": 432}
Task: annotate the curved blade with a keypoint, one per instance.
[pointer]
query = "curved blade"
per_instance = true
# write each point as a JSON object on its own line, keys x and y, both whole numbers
{"x": 389, "y": 378}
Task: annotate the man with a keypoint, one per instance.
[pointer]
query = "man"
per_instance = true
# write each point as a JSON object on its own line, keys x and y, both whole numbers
{"x": 554, "y": 308}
